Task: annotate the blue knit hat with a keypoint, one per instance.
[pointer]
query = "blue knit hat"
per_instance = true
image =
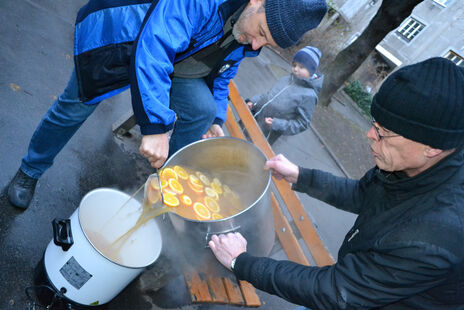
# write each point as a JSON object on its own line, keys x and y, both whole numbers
{"x": 309, "y": 57}
{"x": 289, "y": 20}
{"x": 424, "y": 102}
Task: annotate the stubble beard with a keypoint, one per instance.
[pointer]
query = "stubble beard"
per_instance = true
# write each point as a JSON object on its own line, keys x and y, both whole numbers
{"x": 237, "y": 29}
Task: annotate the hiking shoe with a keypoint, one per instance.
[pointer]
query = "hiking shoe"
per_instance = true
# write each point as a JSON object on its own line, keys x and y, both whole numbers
{"x": 21, "y": 190}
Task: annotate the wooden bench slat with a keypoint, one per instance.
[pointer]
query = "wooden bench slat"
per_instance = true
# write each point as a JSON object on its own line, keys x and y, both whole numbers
{"x": 217, "y": 290}
{"x": 232, "y": 125}
{"x": 286, "y": 237}
{"x": 317, "y": 249}
{"x": 197, "y": 288}
{"x": 233, "y": 292}
{"x": 249, "y": 294}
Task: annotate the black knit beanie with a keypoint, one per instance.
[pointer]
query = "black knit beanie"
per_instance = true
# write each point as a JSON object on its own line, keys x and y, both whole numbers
{"x": 424, "y": 102}
{"x": 289, "y": 20}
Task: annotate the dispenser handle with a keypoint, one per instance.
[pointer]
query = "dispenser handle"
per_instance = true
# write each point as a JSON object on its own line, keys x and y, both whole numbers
{"x": 209, "y": 234}
{"x": 62, "y": 235}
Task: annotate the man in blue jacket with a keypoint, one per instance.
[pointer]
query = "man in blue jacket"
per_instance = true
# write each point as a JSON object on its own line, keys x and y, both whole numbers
{"x": 182, "y": 55}
{"x": 405, "y": 250}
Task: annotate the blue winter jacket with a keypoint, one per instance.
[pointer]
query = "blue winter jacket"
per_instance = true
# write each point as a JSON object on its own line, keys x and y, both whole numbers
{"x": 156, "y": 35}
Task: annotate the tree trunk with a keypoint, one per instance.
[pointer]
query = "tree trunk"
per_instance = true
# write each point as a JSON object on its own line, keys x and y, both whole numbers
{"x": 389, "y": 16}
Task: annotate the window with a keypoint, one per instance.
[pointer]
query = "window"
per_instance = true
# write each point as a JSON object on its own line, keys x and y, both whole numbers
{"x": 442, "y": 2}
{"x": 458, "y": 60}
{"x": 410, "y": 29}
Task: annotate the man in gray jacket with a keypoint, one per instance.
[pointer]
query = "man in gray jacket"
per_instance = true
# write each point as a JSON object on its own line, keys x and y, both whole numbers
{"x": 288, "y": 107}
{"x": 405, "y": 250}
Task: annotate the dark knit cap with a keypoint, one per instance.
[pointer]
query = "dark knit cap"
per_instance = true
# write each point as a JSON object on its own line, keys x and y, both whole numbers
{"x": 424, "y": 102}
{"x": 309, "y": 57}
{"x": 289, "y": 20}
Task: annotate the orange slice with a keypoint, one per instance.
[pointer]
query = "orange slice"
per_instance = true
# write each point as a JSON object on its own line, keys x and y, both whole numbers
{"x": 195, "y": 183}
{"x": 216, "y": 216}
{"x": 216, "y": 180}
{"x": 186, "y": 200}
{"x": 204, "y": 179}
{"x": 201, "y": 211}
{"x": 153, "y": 195}
{"x": 170, "y": 199}
{"x": 181, "y": 173}
{"x": 168, "y": 173}
{"x": 176, "y": 186}
{"x": 226, "y": 189}
{"x": 211, "y": 193}
{"x": 216, "y": 187}
{"x": 212, "y": 204}
{"x": 155, "y": 183}
{"x": 169, "y": 190}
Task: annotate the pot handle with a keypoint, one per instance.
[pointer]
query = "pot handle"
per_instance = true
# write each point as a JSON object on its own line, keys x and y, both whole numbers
{"x": 62, "y": 235}
{"x": 209, "y": 234}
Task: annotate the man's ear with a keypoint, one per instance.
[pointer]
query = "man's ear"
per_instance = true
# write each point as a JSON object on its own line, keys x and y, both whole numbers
{"x": 431, "y": 152}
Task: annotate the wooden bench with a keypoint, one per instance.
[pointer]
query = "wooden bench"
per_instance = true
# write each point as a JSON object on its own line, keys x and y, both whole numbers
{"x": 207, "y": 289}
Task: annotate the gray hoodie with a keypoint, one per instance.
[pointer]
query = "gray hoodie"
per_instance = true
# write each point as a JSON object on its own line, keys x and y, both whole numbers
{"x": 290, "y": 102}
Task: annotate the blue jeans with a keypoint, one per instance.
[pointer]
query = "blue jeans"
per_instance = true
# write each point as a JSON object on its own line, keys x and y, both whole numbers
{"x": 195, "y": 108}
{"x": 191, "y": 99}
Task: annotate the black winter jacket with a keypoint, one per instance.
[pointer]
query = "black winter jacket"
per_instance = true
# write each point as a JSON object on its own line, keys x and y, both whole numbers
{"x": 405, "y": 250}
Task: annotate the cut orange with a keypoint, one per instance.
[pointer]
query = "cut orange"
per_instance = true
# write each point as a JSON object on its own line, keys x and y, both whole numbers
{"x": 169, "y": 190}
{"x": 153, "y": 195}
{"x": 168, "y": 173}
{"x": 212, "y": 204}
{"x": 195, "y": 183}
{"x": 226, "y": 189}
{"x": 170, "y": 199}
{"x": 216, "y": 216}
{"x": 204, "y": 179}
{"x": 211, "y": 193}
{"x": 186, "y": 200}
{"x": 181, "y": 173}
{"x": 155, "y": 183}
{"x": 176, "y": 186}
{"x": 201, "y": 211}
{"x": 217, "y": 187}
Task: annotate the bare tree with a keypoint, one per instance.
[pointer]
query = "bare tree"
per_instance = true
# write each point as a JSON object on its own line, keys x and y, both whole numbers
{"x": 389, "y": 16}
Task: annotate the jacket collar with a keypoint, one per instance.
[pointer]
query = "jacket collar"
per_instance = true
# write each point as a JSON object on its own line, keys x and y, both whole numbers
{"x": 233, "y": 9}
{"x": 402, "y": 186}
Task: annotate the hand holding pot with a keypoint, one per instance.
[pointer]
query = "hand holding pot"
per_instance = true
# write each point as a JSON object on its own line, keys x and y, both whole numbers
{"x": 282, "y": 168}
{"x": 214, "y": 131}
{"x": 155, "y": 148}
{"x": 227, "y": 247}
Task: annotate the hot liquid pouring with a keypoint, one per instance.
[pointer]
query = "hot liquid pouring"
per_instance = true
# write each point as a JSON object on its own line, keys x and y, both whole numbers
{"x": 191, "y": 194}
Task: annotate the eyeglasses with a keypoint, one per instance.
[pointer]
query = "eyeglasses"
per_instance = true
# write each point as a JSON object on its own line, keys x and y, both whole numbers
{"x": 377, "y": 131}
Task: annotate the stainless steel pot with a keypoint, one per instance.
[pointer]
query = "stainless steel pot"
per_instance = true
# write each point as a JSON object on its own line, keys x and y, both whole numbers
{"x": 239, "y": 164}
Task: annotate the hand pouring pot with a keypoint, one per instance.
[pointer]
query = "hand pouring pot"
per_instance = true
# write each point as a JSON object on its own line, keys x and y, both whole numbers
{"x": 77, "y": 262}
{"x": 240, "y": 165}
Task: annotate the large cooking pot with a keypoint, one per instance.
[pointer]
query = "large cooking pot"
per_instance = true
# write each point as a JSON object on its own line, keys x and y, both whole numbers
{"x": 239, "y": 164}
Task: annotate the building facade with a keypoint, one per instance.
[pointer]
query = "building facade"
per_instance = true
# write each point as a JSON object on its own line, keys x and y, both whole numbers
{"x": 435, "y": 28}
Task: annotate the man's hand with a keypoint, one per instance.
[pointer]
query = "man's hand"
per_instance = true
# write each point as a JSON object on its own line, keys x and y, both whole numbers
{"x": 268, "y": 121}
{"x": 282, "y": 168}
{"x": 155, "y": 148}
{"x": 227, "y": 247}
{"x": 214, "y": 131}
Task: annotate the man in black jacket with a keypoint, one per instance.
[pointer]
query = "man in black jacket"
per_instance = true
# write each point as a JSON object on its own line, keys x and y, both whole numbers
{"x": 405, "y": 250}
